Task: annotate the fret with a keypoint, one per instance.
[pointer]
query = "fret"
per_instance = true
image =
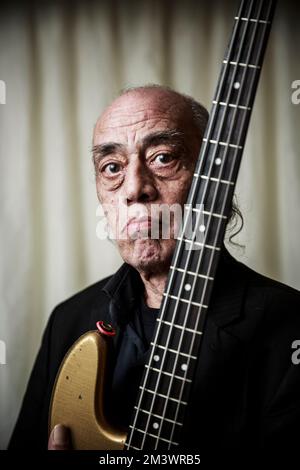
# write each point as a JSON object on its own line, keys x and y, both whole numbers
{"x": 159, "y": 417}
{"x": 191, "y": 273}
{"x": 242, "y": 76}
{"x": 231, "y": 105}
{"x": 187, "y": 315}
{"x": 172, "y": 362}
{"x": 129, "y": 446}
{"x": 246, "y": 31}
{"x": 194, "y": 244}
{"x": 219, "y": 162}
{"x": 153, "y": 435}
{"x": 204, "y": 233}
{"x": 180, "y": 371}
{"x": 213, "y": 214}
{"x": 140, "y": 440}
{"x": 220, "y": 216}
{"x": 175, "y": 400}
{"x": 241, "y": 64}
{"x": 161, "y": 405}
{"x": 169, "y": 374}
{"x": 166, "y": 386}
{"x": 200, "y": 230}
{"x": 218, "y": 180}
{"x": 202, "y": 245}
{"x": 197, "y": 261}
{"x": 212, "y": 232}
{"x": 155, "y": 426}
{"x": 214, "y": 195}
{"x": 196, "y": 304}
{"x": 186, "y": 285}
{"x": 255, "y": 20}
{"x": 175, "y": 339}
{"x": 169, "y": 357}
{"x": 256, "y": 10}
{"x": 159, "y": 392}
{"x": 178, "y": 326}
{"x": 193, "y": 225}
{"x": 226, "y": 144}
{"x": 173, "y": 351}
{"x": 227, "y": 125}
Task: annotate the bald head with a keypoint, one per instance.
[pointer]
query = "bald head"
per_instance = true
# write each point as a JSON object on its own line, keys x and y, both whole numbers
{"x": 195, "y": 110}
{"x": 189, "y": 113}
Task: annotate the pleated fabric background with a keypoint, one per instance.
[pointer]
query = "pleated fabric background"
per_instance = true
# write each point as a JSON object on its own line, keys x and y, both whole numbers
{"x": 62, "y": 63}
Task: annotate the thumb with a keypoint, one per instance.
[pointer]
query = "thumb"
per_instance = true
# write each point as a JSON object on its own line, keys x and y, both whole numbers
{"x": 60, "y": 438}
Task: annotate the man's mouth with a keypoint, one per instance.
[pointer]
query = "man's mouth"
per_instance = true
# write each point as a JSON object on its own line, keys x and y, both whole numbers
{"x": 139, "y": 226}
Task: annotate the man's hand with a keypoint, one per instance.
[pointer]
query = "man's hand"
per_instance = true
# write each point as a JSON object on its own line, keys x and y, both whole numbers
{"x": 60, "y": 438}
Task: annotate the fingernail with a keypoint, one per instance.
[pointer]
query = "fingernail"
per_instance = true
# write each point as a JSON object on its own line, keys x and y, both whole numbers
{"x": 60, "y": 435}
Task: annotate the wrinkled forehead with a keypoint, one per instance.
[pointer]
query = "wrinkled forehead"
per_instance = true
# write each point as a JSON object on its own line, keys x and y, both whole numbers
{"x": 140, "y": 113}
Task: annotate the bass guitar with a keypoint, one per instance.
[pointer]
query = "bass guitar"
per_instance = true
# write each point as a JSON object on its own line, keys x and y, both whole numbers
{"x": 81, "y": 391}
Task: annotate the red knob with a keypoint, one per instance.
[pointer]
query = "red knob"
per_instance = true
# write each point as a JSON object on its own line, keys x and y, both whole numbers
{"x": 105, "y": 328}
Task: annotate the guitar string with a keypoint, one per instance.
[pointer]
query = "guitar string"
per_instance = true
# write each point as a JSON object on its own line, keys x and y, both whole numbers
{"x": 179, "y": 246}
{"x": 231, "y": 171}
{"x": 207, "y": 224}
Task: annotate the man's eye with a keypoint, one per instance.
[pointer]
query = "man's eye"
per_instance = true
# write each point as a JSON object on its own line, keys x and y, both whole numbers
{"x": 111, "y": 168}
{"x": 163, "y": 158}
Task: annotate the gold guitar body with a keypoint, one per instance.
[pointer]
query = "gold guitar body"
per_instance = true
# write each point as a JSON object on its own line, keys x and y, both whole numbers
{"x": 80, "y": 396}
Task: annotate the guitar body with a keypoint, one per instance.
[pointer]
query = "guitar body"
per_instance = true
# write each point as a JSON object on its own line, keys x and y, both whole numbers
{"x": 80, "y": 395}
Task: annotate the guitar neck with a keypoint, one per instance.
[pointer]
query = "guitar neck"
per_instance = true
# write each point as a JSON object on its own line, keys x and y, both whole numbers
{"x": 159, "y": 413}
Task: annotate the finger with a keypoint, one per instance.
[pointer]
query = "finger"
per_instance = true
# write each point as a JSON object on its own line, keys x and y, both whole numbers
{"x": 60, "y": 438}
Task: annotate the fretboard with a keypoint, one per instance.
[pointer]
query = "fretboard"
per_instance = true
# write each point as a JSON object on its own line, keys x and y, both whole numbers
{"x": 158, "y": 418}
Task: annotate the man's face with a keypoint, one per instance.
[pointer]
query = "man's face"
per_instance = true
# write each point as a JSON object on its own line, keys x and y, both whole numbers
{"x": 145, "y": 149}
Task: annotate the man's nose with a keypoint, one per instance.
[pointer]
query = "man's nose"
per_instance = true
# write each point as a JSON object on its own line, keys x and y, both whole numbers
{"x": 139, "y": 185}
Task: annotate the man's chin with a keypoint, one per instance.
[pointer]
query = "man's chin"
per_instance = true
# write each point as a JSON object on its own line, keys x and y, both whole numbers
{"x": 147, "y": 254}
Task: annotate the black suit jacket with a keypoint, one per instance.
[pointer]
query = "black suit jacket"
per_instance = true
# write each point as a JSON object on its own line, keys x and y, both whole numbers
{"x": 246, "y": 393}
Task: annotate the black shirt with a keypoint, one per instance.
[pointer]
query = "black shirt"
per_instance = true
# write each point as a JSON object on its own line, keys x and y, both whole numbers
{"x": 144, "y": 321}
{"x": 134, "y": 348}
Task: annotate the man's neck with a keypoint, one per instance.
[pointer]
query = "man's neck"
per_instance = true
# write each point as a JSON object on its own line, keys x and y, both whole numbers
{"x": 154, "y": 287}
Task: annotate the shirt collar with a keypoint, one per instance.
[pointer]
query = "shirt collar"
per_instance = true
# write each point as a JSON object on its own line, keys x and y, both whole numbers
{"x": 124, "y": 289}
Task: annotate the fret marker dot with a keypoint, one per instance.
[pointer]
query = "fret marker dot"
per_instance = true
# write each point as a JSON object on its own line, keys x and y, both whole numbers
{"x": 156, "y": 358}
{"x": 155, "y": 425}
{"x": 218, "y": 161}
{"x": 236, "y": 85}
{"x": 184, "y": 366}
{"x": 202, "y": 228}
{"x": 187, "y": 287}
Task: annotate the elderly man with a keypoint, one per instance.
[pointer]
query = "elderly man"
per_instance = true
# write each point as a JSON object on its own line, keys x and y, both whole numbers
{"x": 247, "y": 390}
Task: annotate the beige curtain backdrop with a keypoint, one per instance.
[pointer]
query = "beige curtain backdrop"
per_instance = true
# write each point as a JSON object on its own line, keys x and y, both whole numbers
{"x": 62, "y": 63}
